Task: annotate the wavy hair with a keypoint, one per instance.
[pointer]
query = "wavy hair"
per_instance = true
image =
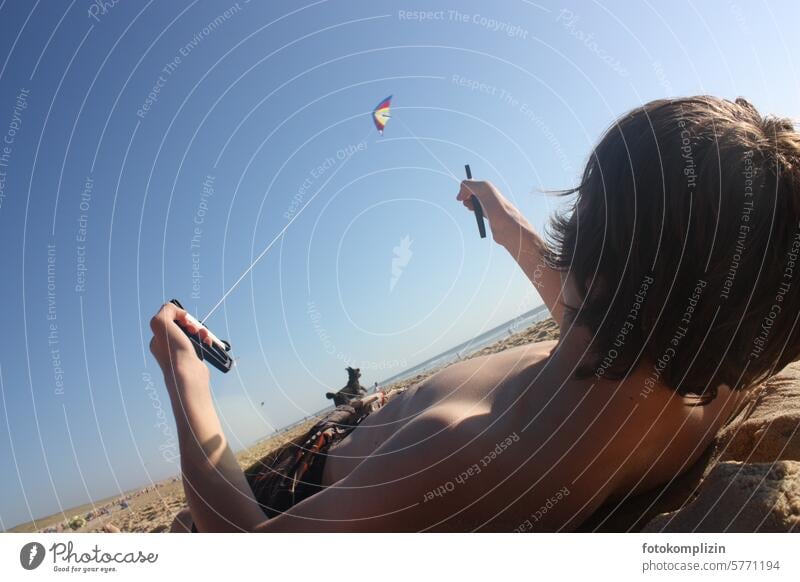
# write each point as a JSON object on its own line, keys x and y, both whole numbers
{"x": 683, "y": 241}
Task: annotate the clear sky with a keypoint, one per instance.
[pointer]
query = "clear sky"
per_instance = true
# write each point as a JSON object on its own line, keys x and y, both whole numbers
{"x": 152, "y": 149}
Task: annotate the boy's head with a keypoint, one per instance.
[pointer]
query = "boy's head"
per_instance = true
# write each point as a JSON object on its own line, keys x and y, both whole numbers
{"x": 684, "y": 244}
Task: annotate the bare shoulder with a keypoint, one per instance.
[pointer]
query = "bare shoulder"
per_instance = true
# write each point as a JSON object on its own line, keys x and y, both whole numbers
{"x": 507, "y": 441}
{"x": 485, "y": 445}
{"x": 485, "y": 373}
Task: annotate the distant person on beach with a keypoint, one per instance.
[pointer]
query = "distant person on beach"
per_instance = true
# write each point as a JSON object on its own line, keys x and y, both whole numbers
{"x": 674, "y": 278}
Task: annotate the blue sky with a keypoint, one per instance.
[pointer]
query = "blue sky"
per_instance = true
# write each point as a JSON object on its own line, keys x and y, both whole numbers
{"x": 151, "y": 150}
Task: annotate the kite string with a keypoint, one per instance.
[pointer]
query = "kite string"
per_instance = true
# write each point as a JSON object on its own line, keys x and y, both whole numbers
{"x": 310, "y": 200}
{"x": 427, "y": 149}
{"x": 276, "y": 238}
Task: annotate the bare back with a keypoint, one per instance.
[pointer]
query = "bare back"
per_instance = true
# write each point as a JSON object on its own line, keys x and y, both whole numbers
{"x": 491, "y": 441}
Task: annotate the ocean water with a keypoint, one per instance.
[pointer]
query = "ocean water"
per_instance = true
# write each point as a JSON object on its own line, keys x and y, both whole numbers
{"x": 471, "y": 346}
{"x": 454, "y": 354}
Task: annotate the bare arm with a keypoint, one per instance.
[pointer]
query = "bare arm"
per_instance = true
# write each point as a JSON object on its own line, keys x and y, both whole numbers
{"x": 512, "y": 231}
{"x": 219, "y": 496}
{"x": 378, "y": 496}
{"x": 393, "y": 489}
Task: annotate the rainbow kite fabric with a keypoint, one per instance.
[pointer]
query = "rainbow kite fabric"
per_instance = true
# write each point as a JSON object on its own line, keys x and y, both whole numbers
{"x": 380, "y": 115}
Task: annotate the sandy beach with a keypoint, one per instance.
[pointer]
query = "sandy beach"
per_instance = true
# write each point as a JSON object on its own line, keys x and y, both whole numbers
{"x": 152, "y": 509}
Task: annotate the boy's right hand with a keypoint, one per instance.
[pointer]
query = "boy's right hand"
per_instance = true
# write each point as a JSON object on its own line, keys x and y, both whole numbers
{"x": 506, "y": 221}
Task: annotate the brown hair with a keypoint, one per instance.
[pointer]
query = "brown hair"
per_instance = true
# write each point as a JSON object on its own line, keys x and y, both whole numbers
{"x": 684, "y": 242}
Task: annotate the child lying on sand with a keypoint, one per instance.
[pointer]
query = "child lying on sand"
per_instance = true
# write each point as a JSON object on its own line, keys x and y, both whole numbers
{"x": 673, "y": 278}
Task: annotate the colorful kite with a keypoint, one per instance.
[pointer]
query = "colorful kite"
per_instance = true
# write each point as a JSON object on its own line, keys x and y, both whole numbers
{"x": 380, "y": 115}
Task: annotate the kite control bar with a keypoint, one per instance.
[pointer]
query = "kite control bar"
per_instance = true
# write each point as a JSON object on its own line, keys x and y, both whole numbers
{"x": 215, "y": 354}
{"x": 476, "y": 205}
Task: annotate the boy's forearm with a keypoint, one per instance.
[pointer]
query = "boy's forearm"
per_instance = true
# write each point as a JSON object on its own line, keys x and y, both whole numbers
{"x": 219, "y": 496}
{"x": 528, "y": 250}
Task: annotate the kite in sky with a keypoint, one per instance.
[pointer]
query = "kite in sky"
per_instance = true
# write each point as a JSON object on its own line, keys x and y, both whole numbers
{"x": 380, "y": 114}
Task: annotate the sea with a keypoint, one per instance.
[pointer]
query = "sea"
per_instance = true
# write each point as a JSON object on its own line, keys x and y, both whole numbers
{"x": 469, "y": 347}
{"x": 454, "y": 354}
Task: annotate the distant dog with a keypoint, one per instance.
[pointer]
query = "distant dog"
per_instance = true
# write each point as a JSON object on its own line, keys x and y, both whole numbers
{"x": 353, "y": 390}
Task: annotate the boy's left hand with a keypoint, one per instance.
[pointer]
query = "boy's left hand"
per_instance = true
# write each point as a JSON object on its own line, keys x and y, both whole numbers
{"x": 172, "y": 349}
